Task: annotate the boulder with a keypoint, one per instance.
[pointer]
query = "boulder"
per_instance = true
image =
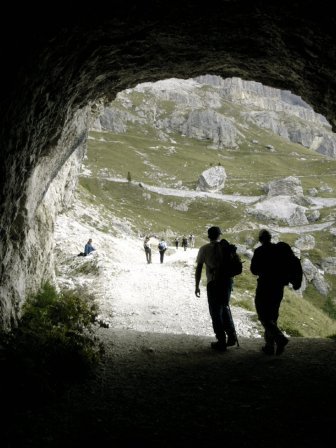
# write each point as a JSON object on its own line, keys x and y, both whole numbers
{"x": 279, "y": 208}
{"x": 305, "y": 242}
{"x": 212, "y": 179}
{"x": 313, "y": 215}
{"x": 288, "y": 186}
{"x": 320, "y": 284}
{"x": 329, "y": 265}
{"x": 309, "y": 269}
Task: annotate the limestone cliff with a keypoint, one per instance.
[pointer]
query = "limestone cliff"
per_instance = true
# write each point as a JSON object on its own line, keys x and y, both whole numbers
{"x": 205, "y": 108}
{"x": 28, "y": 260}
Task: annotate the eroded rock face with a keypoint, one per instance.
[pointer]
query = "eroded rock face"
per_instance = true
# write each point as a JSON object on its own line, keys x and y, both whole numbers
{"x": 57, "y": 64}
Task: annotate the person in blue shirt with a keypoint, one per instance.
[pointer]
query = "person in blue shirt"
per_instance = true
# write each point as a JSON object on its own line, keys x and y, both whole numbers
{"x": 162, "y": 249}
{"x": 88, "y": 247}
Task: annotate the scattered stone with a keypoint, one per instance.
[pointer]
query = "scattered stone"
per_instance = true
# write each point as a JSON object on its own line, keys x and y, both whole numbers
{"x": 305, "y": 242}
{"x": 326, "y": 189}
{"x": 312, "y": 191}
{"x": 313, "y": 215}
{"x": 332, "y": 230}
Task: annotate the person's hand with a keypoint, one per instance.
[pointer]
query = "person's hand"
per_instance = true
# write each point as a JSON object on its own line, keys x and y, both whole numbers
{"x": 197, "y": 292}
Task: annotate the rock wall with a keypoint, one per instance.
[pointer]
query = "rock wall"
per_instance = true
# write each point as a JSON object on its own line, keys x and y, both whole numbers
{"x": 28, "y": 244}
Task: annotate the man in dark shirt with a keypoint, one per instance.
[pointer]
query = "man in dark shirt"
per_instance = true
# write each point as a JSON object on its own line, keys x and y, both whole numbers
{"x": 269, "y": 293}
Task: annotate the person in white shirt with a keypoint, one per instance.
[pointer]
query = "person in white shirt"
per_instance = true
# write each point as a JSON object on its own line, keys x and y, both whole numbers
{"x": 148, "y": 249}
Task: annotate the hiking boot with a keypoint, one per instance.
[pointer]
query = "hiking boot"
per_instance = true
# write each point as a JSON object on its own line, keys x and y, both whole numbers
{"x": 268, "y": 350}
{"x": 232, "y": 340}
{"x": 281, "y": 344}
{"x": 219, "y": 346}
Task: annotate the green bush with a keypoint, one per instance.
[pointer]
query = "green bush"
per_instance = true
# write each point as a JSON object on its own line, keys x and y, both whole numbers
{"x": 55, "y": 335}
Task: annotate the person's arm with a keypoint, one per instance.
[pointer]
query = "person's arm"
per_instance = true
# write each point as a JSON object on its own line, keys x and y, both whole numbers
{"x": 198, "y": 274}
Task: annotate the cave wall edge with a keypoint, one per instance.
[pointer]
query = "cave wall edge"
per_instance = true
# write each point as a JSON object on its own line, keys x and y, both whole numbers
{"x": 56, "y": 75}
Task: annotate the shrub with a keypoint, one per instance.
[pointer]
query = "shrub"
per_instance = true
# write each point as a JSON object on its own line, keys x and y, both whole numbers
{"x": 55, "y": 335}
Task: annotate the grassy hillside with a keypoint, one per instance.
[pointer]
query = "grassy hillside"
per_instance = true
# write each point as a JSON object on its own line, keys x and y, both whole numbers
{"x": 179, "y": 164}
{"x": 153, "y": 162}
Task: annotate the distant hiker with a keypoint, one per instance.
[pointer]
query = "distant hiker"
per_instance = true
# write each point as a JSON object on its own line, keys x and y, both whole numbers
{"x": 218, "y": 292}
{"x": 192, "y": 240}
{"x": 177, "y": 240}
{"x": 184, "y": 242}
{"x": 88, "y": 247}
{"x": 148, "y": 249}
{"x": 162, "y": 246}
{"x": 274, "y": 269}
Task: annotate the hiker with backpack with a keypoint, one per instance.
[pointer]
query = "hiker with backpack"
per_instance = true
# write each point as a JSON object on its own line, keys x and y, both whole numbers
{"x": 222, "y": 264}
{"x": 184, "y": 242}
{"x": 162, "y": 246}
{"x": 276, "y": 266}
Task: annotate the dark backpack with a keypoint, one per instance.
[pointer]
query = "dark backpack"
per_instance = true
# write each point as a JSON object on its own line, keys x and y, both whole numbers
{"x": 229, "y": 263}
{"x": 288, "y": 265}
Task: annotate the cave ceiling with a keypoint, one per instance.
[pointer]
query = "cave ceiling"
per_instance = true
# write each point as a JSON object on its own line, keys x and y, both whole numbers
{"x": 59, "y": 58}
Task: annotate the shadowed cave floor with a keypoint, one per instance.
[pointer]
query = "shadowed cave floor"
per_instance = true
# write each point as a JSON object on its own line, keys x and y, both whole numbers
{"x": 173, "y": 390}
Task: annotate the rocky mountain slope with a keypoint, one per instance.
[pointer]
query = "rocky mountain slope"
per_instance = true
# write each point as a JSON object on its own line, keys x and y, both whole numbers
{"x": 218, "y": 110}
